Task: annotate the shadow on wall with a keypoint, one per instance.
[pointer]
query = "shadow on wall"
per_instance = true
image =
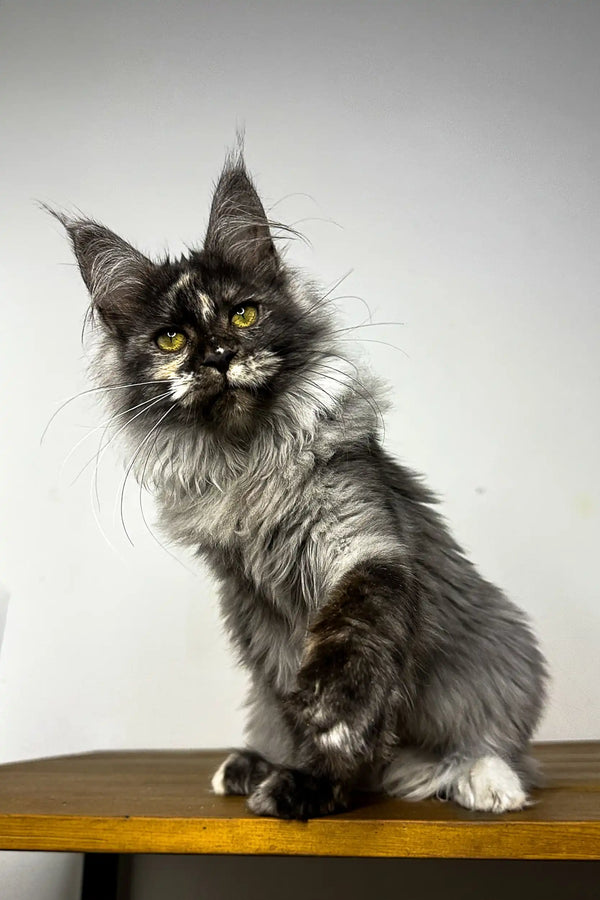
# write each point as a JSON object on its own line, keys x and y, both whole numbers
{"x": 273, "y": 878}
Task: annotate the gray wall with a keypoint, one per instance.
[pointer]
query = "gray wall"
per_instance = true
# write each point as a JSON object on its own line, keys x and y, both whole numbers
{"x": 447, "y": 153}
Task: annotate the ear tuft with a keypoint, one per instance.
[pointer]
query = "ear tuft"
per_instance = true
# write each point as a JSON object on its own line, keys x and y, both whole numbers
{"x": 115, "y": 273}
{"x": 238, "y": 228}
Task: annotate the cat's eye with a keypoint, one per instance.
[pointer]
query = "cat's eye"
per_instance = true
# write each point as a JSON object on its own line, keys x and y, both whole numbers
{"x": 245, "y": 315}
{"x": 171, "y": 341}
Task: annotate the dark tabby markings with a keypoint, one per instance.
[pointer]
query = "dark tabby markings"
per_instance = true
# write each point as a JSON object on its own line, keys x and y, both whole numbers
{"x": 359, "y": 656}
{"x": 292, "y": 794}
{"x": 359, "y": 650}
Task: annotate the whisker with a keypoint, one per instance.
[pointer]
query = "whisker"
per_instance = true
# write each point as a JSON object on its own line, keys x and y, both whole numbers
{"x": 104, "y": 425}
{"x": 121, "y": 494}
{"x": 108, "y": 387}
{"x": 336, "y": 402}
{"x": 355, "y": 297}
{"x": 98, "y": 455}
{"x": 372, "y": 341}
{"x": 365, "y": 325}
{"x": 337, "y": 284}
{"x": 96, "y": 514}
{"x": 101, "y": 449}
{"x": 322, "y": 298}
{"x": 365, "y": 393}
{"x": 344, "y": 359}
{"x": 150, "y": 531}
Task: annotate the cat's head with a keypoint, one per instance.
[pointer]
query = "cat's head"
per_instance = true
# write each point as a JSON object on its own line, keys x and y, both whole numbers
{"x": 212, "y": 340}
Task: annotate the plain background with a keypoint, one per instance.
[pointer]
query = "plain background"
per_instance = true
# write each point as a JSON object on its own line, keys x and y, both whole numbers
{"x": 446, "y": 153}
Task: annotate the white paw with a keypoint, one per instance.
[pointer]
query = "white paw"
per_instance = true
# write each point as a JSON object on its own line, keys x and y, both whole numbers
{"x": 490, "y": 785}
{"x": 218, "y": 779}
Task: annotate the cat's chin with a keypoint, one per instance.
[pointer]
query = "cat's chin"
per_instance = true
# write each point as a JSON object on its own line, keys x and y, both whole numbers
{"x": 231, "y": 409}
{"x": 202, "y": 392}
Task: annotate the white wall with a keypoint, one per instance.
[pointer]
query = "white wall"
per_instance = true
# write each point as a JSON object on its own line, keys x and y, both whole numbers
{"x": 456, "y": 144}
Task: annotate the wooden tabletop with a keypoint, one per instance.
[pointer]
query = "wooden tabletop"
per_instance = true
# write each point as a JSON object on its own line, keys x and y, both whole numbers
{"x": 160, "y": 802}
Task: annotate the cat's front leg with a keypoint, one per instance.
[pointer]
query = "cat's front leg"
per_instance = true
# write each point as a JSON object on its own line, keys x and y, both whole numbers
{"x": 357, "y": 667}
{"x": 355, "y": 676}
{"x": 297, "y": 794}
{"x": 277, "y": 790}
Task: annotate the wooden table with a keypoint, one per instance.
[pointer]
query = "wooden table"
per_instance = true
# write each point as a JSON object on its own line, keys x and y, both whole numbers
{"x": 160, "y": 802}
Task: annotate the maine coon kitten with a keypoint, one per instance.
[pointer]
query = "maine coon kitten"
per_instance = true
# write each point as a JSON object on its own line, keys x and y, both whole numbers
{"x": 378, "y": 655}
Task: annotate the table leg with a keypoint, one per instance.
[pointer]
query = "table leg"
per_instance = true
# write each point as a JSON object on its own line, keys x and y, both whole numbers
{"x": 106, "y": 876}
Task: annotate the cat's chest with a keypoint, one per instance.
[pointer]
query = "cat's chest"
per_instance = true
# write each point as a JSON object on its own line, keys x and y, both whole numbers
{"x": 244, "y": 516}
{"x": 270, "y": 639}
{"x": 260, "y": 524}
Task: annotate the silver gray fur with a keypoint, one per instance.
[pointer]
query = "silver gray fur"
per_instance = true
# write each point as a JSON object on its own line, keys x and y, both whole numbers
{"x": 289, "y": 503}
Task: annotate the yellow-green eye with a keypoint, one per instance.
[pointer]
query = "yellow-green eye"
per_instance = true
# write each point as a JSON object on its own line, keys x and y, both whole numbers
{"x": 171, "y": 341}
{"x": 244, "y": 316}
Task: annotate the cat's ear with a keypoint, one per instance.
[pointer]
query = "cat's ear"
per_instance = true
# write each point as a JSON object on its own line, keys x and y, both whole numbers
{"x": 238, "y": 228}
{"x": 115, "y": 273}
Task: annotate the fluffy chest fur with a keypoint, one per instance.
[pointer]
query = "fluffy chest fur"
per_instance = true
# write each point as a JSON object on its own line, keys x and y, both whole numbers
{"x": 279, "y": 533}
{"x": 289, "y": 524}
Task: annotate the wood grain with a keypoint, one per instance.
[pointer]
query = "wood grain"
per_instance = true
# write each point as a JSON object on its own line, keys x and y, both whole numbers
{"x": 160, "y": 802}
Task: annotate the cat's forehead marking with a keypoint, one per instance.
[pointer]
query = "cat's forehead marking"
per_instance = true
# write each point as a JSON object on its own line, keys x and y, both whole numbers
{"x": 186, "y": 283}
{"x": 205, "y": 305}
{"x": 182, "y": 282}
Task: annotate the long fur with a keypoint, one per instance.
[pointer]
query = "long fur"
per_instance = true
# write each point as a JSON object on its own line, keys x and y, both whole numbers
{"x": 378, "y": 655}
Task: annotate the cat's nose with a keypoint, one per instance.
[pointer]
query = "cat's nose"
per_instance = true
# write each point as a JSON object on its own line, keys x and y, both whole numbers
{"x": 219, "y": 359}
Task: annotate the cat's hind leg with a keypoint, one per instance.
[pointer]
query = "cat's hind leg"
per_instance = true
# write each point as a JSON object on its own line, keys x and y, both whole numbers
{"x": 487, "y": 783}
{"x": 241, "y": 773}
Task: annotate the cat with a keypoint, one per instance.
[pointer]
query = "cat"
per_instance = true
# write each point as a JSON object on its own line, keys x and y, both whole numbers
{"x": 378, "y": 657}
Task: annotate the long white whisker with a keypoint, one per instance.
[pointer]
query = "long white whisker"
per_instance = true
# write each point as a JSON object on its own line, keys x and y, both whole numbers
{"x": 355, "y": 297}
{"x": 372, "y": 341}
{"x": 365, "y": 394}
{"x": 147, "y": 405}
{"x": 93, "y": 430}
{"x": 96, "y": 514}
{"x": 324, "y": 298}
{"x": 335, "y": 400}
{"x": 108, "y": 387}
{"x": 98, "y": 455}
{"x": 365, "y": 325}
{"x": 143, "y": 513}
{"x": 337, "y": 284}
{"x": 121, "y": 494}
